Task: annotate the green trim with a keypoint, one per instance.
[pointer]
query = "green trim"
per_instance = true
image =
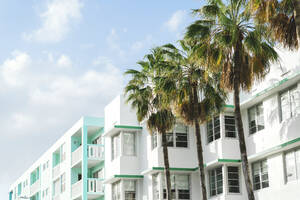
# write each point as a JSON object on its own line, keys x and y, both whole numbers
{"x": 129, "y": 127}
{"x": 229, "y": 160}
{"x": 128, "y": 176}
{"x": 290, "y": 142}
{"x": 229, "y": 106}
{"x": 275, "y": 148}
{"x": 175, "y": 169}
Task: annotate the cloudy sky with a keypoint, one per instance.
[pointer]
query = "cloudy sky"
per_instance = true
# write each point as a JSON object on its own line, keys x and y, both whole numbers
{"x": 62, "y": 59}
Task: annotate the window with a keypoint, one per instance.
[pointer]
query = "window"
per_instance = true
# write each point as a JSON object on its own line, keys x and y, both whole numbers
{"x": 256, "y": 118}
{"x": 130, "y": 189}
{"x": 155, "y": 180}
{"x": 99, "y": 174}
{"x": 289, "y": 101}
{"x": 116, "y": 191}
{"x": 63, "y": 152}
{"x": 230, "y": 130}
{"x": 47, "y": 164}
{"x": 115, "y": 146}
{"x": 63, "y": 182}
{"x": 153, "y": 140}
{"x": 215, "y": 181}
{"x": 178, "y": 137}
{"x": 56, "y": 187}
{"x": 129, "y": 144}
{"x": 233, "y": 179}
{"x": 180, "y": 187}
{"x": 213, "y": 129}
{"x": 98, "y": 140}
{"x": 260, "y": 175}
{"x": 292, "y": 165}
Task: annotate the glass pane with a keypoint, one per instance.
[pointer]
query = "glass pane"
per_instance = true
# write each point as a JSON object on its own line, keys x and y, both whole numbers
{"x": 294, "y": 99}
{"x": 129, "y": 185}
{"x": 230, "y": 130}
{"x": 182, "y": 182}
{"x": 297, "y": 154}
{"x": 129, "y": 144}
{"x": 210, "y": 132}
{"x": 252, "y": 121}
{"x": 233, "y": 179}
{"x": 285, "y": 106}
{"x": 154, "y": 140}
{"x": 180, "y": 128}
{"x": 170, "y": 140}
{"x": 212, "y": 183}
{"x": 290, "y": 166}
{"x": 260, "y": 117}
{"x": 181, "y": 140}
{"x": 217, "y": 127}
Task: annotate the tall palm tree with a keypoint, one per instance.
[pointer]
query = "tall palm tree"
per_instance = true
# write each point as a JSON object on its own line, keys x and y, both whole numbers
{"x": 282, "y": 18}
{"x": 196, "y": 93}
{"x": 151, "y": 105}
{"x": 235, "y": 46}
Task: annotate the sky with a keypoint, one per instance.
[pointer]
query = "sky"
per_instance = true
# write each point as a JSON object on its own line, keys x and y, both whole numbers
{"x": 63, "y": 59}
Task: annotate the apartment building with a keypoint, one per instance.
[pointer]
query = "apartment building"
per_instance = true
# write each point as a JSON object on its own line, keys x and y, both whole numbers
{"x": 131, "y": 166}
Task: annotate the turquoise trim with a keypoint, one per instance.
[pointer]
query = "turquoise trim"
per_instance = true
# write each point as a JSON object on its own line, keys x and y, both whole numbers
{"x": 175, "y": 169}
{"x": 129, "y": 127}
{"x": 93, "y": 121}
{"x": 229, "y": 160}
{"x": 128, "y": 176}
{"x": 229, "y": 106}
{"x": 84, "y": 162}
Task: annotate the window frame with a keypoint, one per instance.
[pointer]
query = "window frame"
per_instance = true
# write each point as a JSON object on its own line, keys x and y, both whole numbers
{"x": 256, "y": 118}
{"x": 154, "y": 140}
{"x": 287, "y": 90}
{"x": 294, "y": 150}
{"x": 135, "y": 188}
{"x": 114, "y": 153}
{"x": 239, "y": 179}
{"x": 123, "y": 146}
{"x": 212, "y": 120}
{"x": 235, "y": 132}
{"x": 260, "y": 174}
{"x": 174, "y": 183}
{"x": 216, "y": 181}
{"x": 173, "y": 134}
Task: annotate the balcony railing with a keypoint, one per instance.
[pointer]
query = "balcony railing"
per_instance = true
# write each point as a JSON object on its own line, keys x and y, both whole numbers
{"x": 56, "y": 171}
{"x": 76, "y": 189}
{"x": 95, "y": 151}
{"x": 76, "y": 155}
{"x": 35, "y": 187}
{"x": 57, "y": 197}
{"x": 95, "y": 185}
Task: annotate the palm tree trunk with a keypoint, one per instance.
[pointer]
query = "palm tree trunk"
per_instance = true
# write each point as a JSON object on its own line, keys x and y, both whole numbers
{"x": 239, "y": 122}
{"x": 167, "y": 166}
{"x": 200, "y": 160}
{"x": 297, "y": 18}
{"x": 199, "y": 145}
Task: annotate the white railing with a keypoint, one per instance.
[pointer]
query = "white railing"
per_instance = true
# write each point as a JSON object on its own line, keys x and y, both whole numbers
{"x": 76, "y": 155}
{"x": 57, "y": 197}
{"x": 96, "y": 152}
{"x": 34, "y": 188}
{"x": 76, "y": 189}
{"x": 95, "y": 185}
{"x": 56, "y": 171}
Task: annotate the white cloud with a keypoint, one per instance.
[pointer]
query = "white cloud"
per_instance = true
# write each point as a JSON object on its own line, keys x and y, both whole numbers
{"x": 176, "y": 20}
{"x": 113, "y": 42}
{"x": 12, "y": 69}
{"x": 138, "y": 45}
{"x": 56, "y": 21}
{"x": 22, "y": 121}
{"x": 64, "y": 62}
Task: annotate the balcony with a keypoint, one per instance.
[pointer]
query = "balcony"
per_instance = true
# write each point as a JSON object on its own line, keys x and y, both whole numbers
{"x": 35, "y": 187}
{"x": 77, "y": 190}
{"x": 95, "y": 155}
{"x": 95, "y": 189}
{"x": 56, "y": 171}
{"x": 77, "y": 156}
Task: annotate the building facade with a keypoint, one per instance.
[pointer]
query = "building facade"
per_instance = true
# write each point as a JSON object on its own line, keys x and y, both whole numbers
{"x": 115, "y": 157}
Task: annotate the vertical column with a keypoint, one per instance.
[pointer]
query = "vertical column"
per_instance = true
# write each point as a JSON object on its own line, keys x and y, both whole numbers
{"x": 84, "y": 162}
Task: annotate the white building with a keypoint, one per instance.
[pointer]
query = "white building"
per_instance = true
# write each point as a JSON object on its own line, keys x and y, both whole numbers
{"x": 133, "y": 166}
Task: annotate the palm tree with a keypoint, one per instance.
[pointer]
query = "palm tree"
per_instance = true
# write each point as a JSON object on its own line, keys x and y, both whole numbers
{"x": 282, "y": 18}
{"x": 233, "y": 45}
{"x": 196, "y": 92}
{"x": 151, "y": 105}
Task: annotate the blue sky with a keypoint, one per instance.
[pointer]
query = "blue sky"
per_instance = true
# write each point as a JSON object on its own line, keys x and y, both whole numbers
{"x": 62, "y": 59}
